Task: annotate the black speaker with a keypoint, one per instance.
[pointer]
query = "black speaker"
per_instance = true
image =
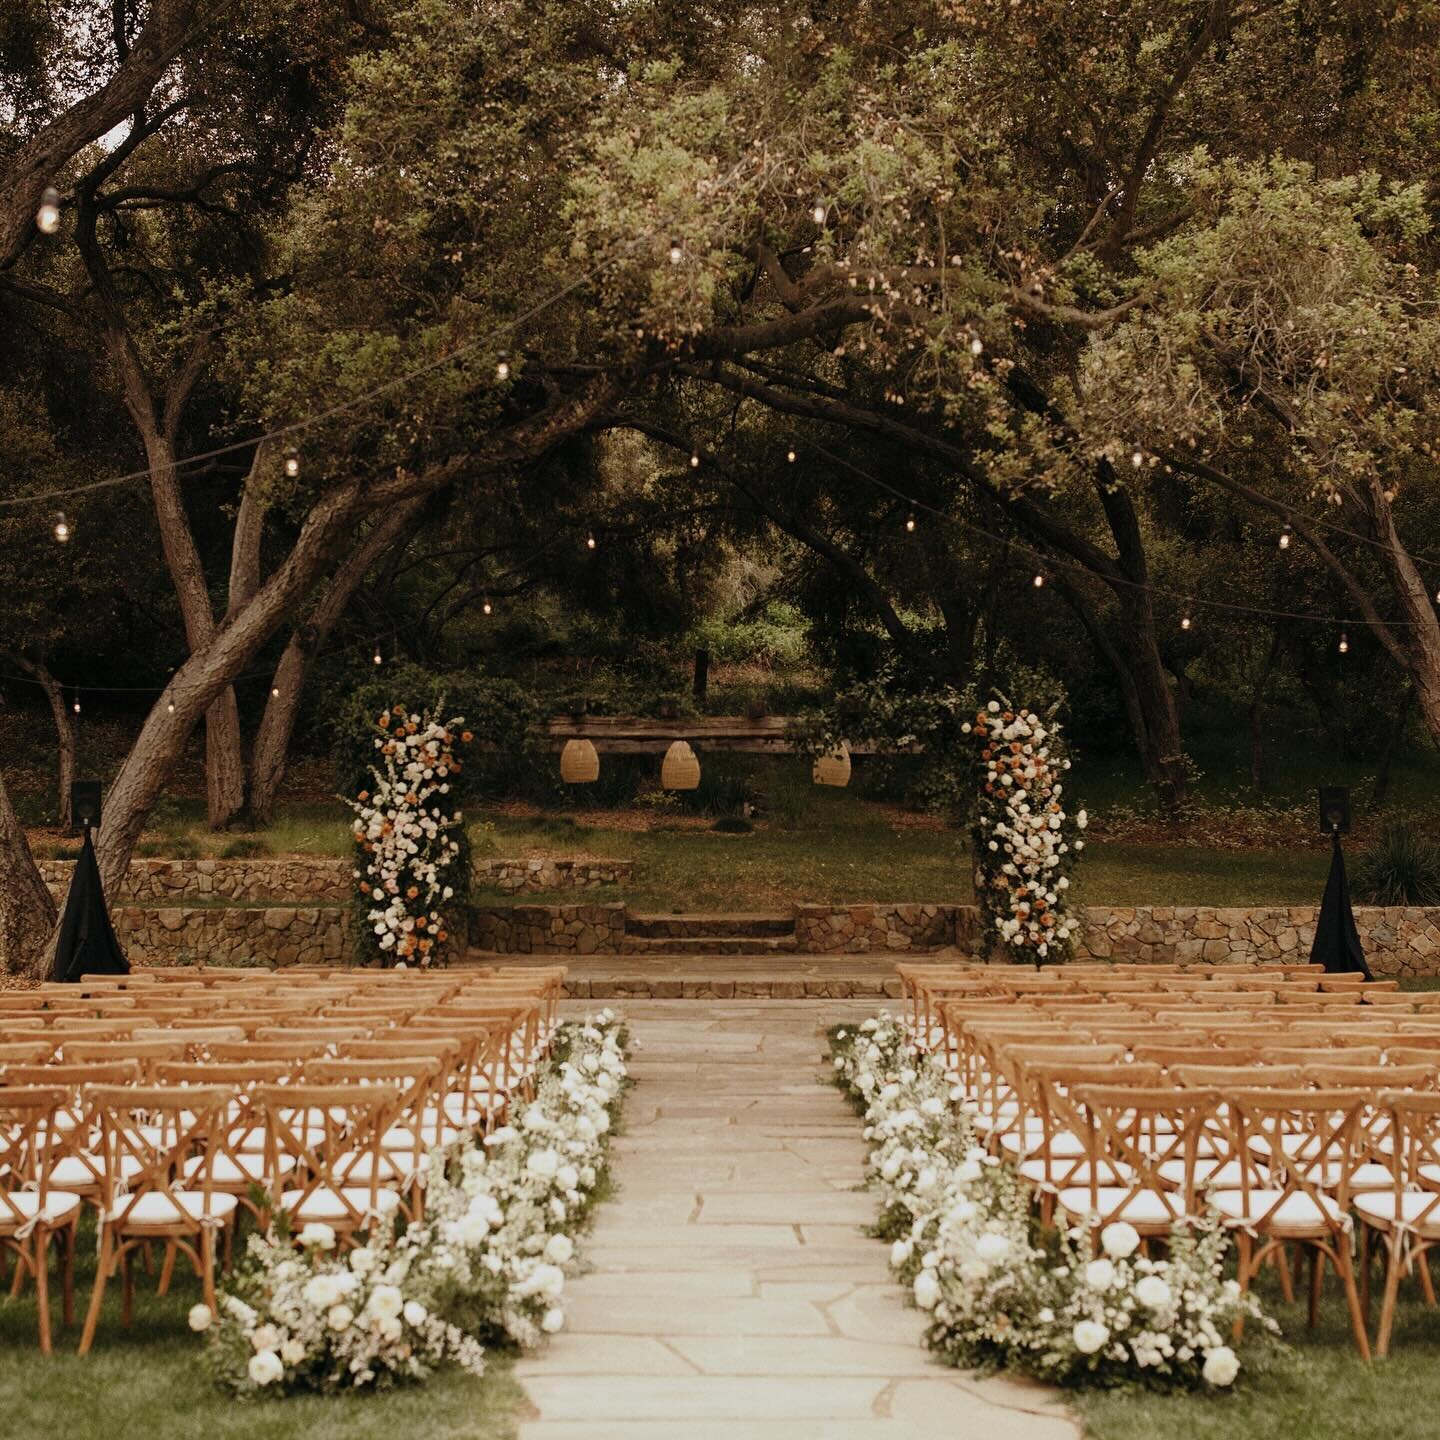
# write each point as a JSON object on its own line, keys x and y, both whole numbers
{"x": 85, "y": 804}
{"x": 1334, "y": 810}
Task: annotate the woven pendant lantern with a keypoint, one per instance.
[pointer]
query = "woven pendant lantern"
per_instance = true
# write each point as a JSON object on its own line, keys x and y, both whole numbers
{"x": 579, "y": 763}
{"x": 681, "y": 769}
{"x": 834, "y": 768}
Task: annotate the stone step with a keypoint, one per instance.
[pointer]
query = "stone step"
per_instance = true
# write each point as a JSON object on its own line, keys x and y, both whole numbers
{"x": 709, "y": 944}
{"x": 727, "y": 926}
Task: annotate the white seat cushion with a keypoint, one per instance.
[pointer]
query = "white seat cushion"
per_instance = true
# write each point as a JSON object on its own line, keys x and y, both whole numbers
{"x": 1062, "y": 1143}
{"x": 1069, "y": 1172}
{"x": 326, "y": 1204}
{"x": 1144, "y": 1208}
{"x": 72, "y": 1171}
{"x": 247, "y": 1168}
{"x": 1296, "y": 1212}
{"x": 402, "y": 1138}
{"x": 1213, "y": 1171}
{"x": 59, "y": 1206}
{"x": 157, "y": 1209}
{"x": 1380, "y": 1208}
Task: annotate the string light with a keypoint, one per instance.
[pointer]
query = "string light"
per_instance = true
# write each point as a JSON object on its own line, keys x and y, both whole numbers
{"x": 502, "y": 366}
{"x": 62, "y": 528}
{"x": 47, "y": 217}
{"x": 274, "y": 692}
{"x": 292, "y": 463}
{"x": 1285, "y": 535}
{"x": 676, "y": 253}
{"x": 977, "y": 346}
{"x": 818, "y": 213}
{"x": 910, "y": 524}
{"x": 488, "y": 608}
{"x": 1137, "y": 459}
{"x": 790, "y": 454}
{"x": 377, "y": 658}
{"x": 1039, "y": 581}
{"x": 694, "y": 459}
{"x": 590, "y": 542}
{"x": 1344, "y": 646}
{"x": 170, "y": 707}
{"x": 76, "y": 706}
{"x": 1185, "y": 622}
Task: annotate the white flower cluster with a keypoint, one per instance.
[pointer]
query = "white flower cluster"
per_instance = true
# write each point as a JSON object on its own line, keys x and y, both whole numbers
{"x": 403, "y": 832}
{"x": 501, "y": 1227}
{"x": 964, "y": 1241}
{"x": 1024, "y": 841}
{"x": 316, "y": 1319}
{"x": 489, "y": 1260}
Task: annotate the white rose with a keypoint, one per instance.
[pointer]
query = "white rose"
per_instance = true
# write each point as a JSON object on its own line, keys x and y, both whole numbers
{"x": 559, "y": 1249}
{"x": 1153, "y": 1292}
{"x": 1100, "y": 1274}
{"x": 1089, "y": 1336}
{"x": 265, "y": 1368}
{"x": 1120, "y": 1240}
{"x": 386, "y": 1301}
{"x": 266, "y": 1337}
{"x": 927, "y": 1289}
{"x": 567, "y": 1177}
{"x": 238, "y": 1310}
{"x": 321, "y": 1292}
{"x": 1081, "y": 819}
{"x": 390, "y": 1328}
{"x": 362, "y": 1261}
{"x": 900, "y": 1252}
{"x": 415, "y": 1313}
{"x": 543, "y": 1163}
{"x": 340, "y": 1317}
{"x": 292, "y": 1352}
{"x": 1221, "y": 1366}
{"x": 992, "y": 1248}
{"x": 319, "y": 1235}
{"x": 201, "y": 1318}
{"x": 554, "y": 1319}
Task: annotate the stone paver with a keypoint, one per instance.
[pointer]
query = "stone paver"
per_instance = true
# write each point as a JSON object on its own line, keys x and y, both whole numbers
{"x": 733, "y": 1293}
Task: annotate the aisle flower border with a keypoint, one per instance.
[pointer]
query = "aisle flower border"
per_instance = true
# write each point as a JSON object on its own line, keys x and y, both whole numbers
{"x": 1001, "y": 1293}
{"x": 1024, "y": 842}
{"x": 487, "y": 1265}
{"x": 406, "y": 841}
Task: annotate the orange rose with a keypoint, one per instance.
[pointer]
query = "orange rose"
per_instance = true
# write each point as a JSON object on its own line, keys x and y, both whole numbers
{"x": 466, "y": 736}
{"x": 442, "y": 936}
{"x": 420, "y": 922}
{"x": 364, "y": 794}
{"x": 412, "y": 892}
{"x": 383, "y": 721}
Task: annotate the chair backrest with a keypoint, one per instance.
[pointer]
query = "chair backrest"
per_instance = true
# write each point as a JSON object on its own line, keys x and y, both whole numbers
{"x": 1415, "y": 1155}
{"x": 145, "y": 1053}
{"x": 1312, "y": 1141}
{"x": 1226, "y": 1077}
{"x": 152, "y": 1131}
{"x": 30, "y": 1140}
{"x": 335, "y": 1136}
{"x": 34, "y": 1051}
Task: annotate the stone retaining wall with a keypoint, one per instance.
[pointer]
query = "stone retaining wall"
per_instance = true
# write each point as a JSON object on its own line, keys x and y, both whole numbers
{"x": 233, "y": 934}
{"x": 856, "y": 929}
{"x": 514, "y": 877}
{"x": 548, "y": 929}
{"x": 305, "y": 880}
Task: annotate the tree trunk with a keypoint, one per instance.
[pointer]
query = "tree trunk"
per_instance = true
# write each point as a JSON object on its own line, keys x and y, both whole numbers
{"x": 64, "y": 736}
{"x": 41, "y": 159}
{"x": 277, "y": 725}
{"x": 1422, "y": 644}
{"x": 27, "y": 913}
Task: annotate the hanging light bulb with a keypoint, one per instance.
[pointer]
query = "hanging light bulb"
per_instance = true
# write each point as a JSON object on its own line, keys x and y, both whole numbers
{"x": 169, "y": 707}
{"x": 590, "y": 541}
{"x": 1344, "y": 646}
{"x": 62, "y": 528}
{"x": 1185, "y": 622}
{"x": 818, "y": 213}
{"x": 910, "y": 523}
{"x": 488, "y": 608}
{"x": 1437, "y": 597}
{"x": 790, "y": 454}
{"x": 676, "y": 253}
{"x": 1039, "y": 581}
{"x": 1285, "y": 535}
{"x": 376, "y": 658}
{"x": 694, "y": 459}
{"x": 47, "y": 217}
{"x": 502, "y": 366}
{"x": 274, "y": 692}
{"x": 292, "y": 463}
{"x": 76, "y": 706}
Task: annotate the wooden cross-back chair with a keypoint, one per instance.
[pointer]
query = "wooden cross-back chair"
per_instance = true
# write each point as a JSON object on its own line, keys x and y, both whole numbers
{"x": 32, "y": 1209}
{"x": 1158, "y": 1134}
{"x": 334, "y": 1134}
{"x": 1311, "y": 1144}
{"x": 35, "y": 1049}
{"x": 159, "y": 1129}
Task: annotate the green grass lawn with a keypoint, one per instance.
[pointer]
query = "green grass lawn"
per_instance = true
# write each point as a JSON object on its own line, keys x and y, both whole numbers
{"x": 1320, "y": 1390}
{"x": 148, "y": 1381}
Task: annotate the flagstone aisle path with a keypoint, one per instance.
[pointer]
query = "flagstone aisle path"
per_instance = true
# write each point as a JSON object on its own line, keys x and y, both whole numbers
{"x": 733, "y": 1295}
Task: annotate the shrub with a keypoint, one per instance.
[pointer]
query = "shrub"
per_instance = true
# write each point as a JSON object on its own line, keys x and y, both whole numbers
{"x": 1400, "y": 868}
{"x": 733, "y": 825}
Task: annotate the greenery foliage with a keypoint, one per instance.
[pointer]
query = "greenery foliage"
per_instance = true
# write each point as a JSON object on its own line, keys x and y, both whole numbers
{"x": 1400, "y": 868}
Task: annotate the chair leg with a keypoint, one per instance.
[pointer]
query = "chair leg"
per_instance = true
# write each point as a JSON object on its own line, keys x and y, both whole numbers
{"x": 1365, "y": 1262}
{"x": 18, "y": 1283}
{"x": 67, "y": 1280}
{"x": 97, "y": 1295}
{"x": 207, "y": 1265}
{"x": 1393, "y": 1242}
{"x": 127, "y": 1285}
{"x": 167, "y": 1269}
{"x": 1427, "y": 1285}
{"x": 1342, "y": 1262}
{"x": 1243, "y": 1247}
{"x": 1282, "y": 1266}
{"x": 40, "y": 1252}
{"x": 1317, "y": 1283}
